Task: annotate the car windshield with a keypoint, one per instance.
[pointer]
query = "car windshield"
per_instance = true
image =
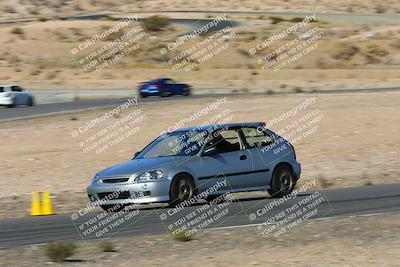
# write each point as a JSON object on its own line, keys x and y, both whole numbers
{"x": 183, "y": 143}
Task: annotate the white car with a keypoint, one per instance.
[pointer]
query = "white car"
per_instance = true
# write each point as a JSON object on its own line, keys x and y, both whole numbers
{"x": 13, "y": 95}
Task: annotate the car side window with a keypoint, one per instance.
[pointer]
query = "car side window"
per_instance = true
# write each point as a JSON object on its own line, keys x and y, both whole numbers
{"x": 224, "y": 141}
{"x": 1, "y": 89}
{"x": 16, "y": 89}
{"x": 255, "y": 137}
{"x": 170, "y": 81}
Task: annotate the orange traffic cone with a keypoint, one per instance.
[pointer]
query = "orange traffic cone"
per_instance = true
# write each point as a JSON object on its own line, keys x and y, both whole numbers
{"x": 47, "y": 207}
{"x": 35, "y": 208}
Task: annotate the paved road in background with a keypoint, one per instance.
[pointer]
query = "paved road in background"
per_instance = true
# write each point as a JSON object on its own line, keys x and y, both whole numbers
{"x": 53, "y": 108}
{"x": 337, "y": 203}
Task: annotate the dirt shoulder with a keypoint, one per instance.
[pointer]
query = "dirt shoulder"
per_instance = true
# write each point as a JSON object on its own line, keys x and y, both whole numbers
{"x": 353, "y": 143}
{"x": 357, "y": 241}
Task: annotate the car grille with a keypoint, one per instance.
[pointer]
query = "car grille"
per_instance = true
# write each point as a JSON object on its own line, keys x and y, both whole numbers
{"x": 115, "y": 180}
{"x": 114, "y": 195}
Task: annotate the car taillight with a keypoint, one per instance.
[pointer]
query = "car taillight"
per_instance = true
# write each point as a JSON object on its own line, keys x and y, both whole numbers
{"x": 7, "y": 95}
{"x": 155, "y": 86}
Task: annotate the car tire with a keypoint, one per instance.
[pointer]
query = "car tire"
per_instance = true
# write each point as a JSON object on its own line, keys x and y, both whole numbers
{"x": 283, "y": 181}
{"x": 186, "y": 91}
{"x": 112, "y": 208}
{"x": 12, "y": 105}
{"x": 30, "y": 102}
{"x": 182, "y": 188}
{"x": 143, "y": 95}
{"x": 164, "y": 93}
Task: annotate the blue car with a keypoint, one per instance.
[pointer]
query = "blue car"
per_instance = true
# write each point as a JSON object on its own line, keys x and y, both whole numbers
{"x": 182, "y": 164}
{"x": 163, "y": 87}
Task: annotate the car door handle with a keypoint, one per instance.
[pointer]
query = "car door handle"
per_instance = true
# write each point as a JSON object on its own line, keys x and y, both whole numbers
{"x": 243, "y": 157}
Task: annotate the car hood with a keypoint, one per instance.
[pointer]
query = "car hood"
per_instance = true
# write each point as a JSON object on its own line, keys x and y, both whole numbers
{"x": 139, "y": 165}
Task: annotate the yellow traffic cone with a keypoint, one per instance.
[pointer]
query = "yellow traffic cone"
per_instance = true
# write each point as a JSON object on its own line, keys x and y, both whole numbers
{"x": 47, "y": 207}
{"x": 35, "y": 208}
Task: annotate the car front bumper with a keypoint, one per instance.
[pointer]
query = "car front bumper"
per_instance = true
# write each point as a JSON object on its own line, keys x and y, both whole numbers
{"x": 150, "y": 92}
{"x": 5, "y": 101}
{"x": 129, "y": 193}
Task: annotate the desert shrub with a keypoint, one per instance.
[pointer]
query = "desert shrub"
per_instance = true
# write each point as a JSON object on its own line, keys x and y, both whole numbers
{"x": 17, "y": 30}
{"x": 296, "y": 19}
{"x": 380, "y": 9}
{"x": 33, "y": 10}
{"x": 298, "y": 89}
{"x": 106, "y": 246}
{"x": 345, "y": 51}
{"x": 376, "y": 50}
{"x": 35, "y": 72}
{"x": 300, "y": 19}
{"x": 156, "y": 23}
{"x": 276, "y": 20}
{"x": 396, "y": 44}
{"x": 323, "y": 182}
{"x": 182, "y": 235}
{"x": 243, "y": 52}
{"x": 9, "y": 9}
{"x": 60, "y": 251}
{"x": 51, "y": 75}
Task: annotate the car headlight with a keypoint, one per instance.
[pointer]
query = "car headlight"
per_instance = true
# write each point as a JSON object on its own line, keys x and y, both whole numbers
{"x": 150, "y": 176}
{"x": 96, "y": 178}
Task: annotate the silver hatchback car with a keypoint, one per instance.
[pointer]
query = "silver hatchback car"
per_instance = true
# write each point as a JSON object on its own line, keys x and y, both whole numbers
{"x": 179, "y": 165}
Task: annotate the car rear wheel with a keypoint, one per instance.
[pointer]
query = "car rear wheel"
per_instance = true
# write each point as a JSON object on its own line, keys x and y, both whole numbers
{"x": 282, "y": 182}
{"x": 186, "y": 91}
{"x": 30, "y": 102}
{"x": 112, "y": 208}
{"x": 182, "y": 189}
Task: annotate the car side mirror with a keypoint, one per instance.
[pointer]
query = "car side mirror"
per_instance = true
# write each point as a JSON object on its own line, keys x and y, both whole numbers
{"x": 136, "y": 153}
{"x": 210, "y": 151}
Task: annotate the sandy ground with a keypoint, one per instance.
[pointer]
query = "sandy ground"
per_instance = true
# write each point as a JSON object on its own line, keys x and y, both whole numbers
{"x": 38, "y": 56}
{"x": 45, "y": 8}
{"x": 354, "y": 143}
{"x": 361, "y": 241}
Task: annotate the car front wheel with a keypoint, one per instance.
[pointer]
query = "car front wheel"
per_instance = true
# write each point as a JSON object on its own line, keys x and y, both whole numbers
{"x": 182, "y": 189}
{"x": 186, "y": 91}
{"x": 164, "y": 93}
{"x": 30, "y": 102}
{"x": 282, "y": 182}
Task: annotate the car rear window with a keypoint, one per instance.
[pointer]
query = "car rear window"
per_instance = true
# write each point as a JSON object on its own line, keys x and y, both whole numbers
{"x": 1, "y": 89}
{"x": 16, "y": 89}
{"x": 256, "y": 138}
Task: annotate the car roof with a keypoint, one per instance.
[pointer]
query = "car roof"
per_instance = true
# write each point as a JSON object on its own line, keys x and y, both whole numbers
{"x": 158, "y": 80}
{"x": 219, "y": 126}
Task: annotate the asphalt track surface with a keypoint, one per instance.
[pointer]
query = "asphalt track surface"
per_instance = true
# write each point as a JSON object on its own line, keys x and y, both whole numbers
{"x": 70, "y": 107}
{"x": 147, "y": 220}
{"x": 54, "y": 108}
